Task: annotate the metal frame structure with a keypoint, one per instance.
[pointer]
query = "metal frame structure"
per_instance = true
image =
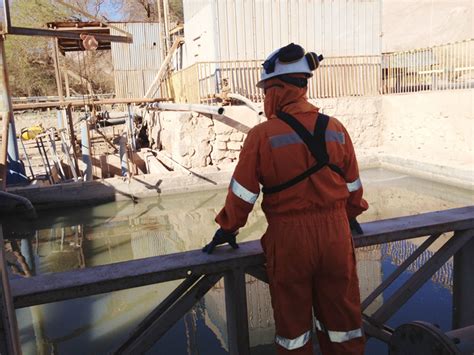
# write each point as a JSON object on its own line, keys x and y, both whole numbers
{"x": 9, "y": 144}
{"x": 200, "y": 272}
{"x": 9, "y": 339}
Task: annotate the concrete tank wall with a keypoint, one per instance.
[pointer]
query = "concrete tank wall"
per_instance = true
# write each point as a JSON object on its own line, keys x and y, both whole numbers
{"x": 427, "y": 134}
{"x": 432, "y": 125}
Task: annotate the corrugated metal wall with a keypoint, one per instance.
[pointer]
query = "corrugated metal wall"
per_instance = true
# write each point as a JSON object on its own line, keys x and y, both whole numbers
{"x": 136, "y": 64}
{"x": 251, "y": 29}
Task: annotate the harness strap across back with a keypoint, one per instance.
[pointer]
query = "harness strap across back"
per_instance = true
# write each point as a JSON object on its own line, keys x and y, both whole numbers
{"x": 316, "y": 144}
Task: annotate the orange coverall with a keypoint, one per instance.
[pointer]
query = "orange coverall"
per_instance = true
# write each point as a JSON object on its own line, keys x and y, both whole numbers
{"x": 308, "y": 244}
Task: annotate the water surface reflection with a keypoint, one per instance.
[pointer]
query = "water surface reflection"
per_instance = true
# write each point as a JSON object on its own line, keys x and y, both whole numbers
{"x": 85, "y": 237}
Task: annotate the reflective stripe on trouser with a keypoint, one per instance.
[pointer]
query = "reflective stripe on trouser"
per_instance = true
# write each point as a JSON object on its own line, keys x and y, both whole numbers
{"x": 296, "y": 343}
{"x": 338, "y": 336}
{"x": 311, "y": 264}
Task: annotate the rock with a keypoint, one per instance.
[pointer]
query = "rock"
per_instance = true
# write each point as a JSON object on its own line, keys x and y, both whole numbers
{"x": 234, "y": 145}
{"x": 237, "y": 137}
{"x": 221, "y": 145}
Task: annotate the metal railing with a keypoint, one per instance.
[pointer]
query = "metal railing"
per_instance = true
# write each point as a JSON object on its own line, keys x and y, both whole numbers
{"x": 336, "y": 77}
{"x": 444, "y": 67}
{"x": 200, "y": 272}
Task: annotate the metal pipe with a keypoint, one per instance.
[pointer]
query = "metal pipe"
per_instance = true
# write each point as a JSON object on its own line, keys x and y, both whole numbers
{"x": 213, "y": 110}
{"x": 111, "y": 122}
{"x": 86, "y": 150}
{"x": 46, "y": 171}
{"x": 123, "y": 155}
{"x": 66, "y": 152}
{"x": 131, "y": 128}
{"x": 19, "y": 107}
{"x": 27, "y": 159}
{"x": 30, "y": 211}
{"x": 247, "y": 102}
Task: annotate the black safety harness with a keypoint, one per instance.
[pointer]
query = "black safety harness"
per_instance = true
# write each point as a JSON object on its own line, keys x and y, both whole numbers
{"x": 316, "y": 144}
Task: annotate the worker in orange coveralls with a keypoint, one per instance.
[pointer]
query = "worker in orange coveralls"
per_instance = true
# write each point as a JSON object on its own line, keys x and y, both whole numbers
{"x": 312, "y": 194}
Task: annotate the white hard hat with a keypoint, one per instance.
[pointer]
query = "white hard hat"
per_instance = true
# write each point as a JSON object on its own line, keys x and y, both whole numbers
{"x": 290, "y": 59}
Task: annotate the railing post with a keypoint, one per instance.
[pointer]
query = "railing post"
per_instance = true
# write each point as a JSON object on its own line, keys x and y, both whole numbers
{"x": 236, "y": 312}
{"x": 463, "y": 286}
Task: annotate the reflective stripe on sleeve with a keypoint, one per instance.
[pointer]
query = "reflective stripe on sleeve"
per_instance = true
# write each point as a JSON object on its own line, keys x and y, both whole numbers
{"x": 296, "y": 343}
{"x": 355, "y": 185}
{"x": 338, "y": 336}
{"x": 242, "y": 192}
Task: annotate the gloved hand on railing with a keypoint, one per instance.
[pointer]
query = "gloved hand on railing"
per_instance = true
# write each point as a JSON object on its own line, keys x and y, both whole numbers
{"x": 221, "y": 237}
{"x": 355, "y": 226}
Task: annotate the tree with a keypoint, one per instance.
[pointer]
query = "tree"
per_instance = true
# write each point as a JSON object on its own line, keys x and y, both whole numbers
{"x": 147, "y": 10}
{"x": 29, "y": 61}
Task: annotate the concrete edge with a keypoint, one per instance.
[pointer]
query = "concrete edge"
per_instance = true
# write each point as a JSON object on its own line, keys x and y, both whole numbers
{"x": 148, "y": 186}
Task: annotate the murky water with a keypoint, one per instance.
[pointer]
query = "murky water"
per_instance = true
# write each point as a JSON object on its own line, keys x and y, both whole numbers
{"x": 80, "y": 238}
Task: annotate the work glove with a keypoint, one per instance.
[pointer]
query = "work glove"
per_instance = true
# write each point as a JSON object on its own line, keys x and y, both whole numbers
{"x": 221, "y": 237}
{"x": 355, "y": 226}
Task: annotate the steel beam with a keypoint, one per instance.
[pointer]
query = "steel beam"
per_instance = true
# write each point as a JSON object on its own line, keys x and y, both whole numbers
{"x": 400, "y": 269}
{"x": 24, "y": 31}
{"x": 160, "y": 326}
{"x": 463, "y": 286}
{"x": 409, "y": 288}
{"x": 57, "y": 70}
{"x": 259, "y": 272}
{"x": 236, "y": 312}
{"x": 380, "y": 332}
{"x": 158, "y": 312}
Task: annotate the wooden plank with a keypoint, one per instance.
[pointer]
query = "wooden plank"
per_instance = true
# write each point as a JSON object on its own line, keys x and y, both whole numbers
{"x": 236, "y": 312}
{"x": 106, "y": 278}
{"x": 173, "y": 314}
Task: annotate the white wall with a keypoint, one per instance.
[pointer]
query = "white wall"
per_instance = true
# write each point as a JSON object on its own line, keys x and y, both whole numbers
{"x": 201, "y": 37}
{"x": 435, "y": 126}
{"x": 251, "y": 29}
